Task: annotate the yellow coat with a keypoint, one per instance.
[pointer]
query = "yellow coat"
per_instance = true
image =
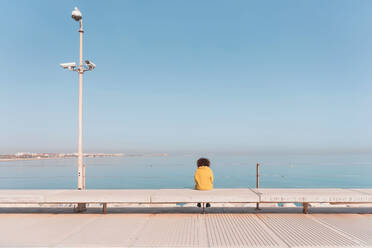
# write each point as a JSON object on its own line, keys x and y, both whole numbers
{"x": 203, "y": 178}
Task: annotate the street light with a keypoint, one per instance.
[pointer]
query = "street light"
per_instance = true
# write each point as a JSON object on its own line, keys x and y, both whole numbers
{"x": 77, "y": 16}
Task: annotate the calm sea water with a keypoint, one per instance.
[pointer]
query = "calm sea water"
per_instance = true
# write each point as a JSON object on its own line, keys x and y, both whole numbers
{"x": 177, "y": 172}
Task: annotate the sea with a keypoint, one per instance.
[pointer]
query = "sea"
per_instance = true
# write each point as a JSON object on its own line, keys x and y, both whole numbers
{"x": 177, "y": 171}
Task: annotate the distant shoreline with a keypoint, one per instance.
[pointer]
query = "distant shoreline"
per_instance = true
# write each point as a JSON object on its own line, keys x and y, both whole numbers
{"x": 25, "y": 159}
{"x": 86, "y": 156}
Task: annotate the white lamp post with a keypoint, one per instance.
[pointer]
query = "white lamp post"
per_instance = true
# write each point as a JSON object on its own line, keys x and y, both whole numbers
{"x": 77, "y": 16}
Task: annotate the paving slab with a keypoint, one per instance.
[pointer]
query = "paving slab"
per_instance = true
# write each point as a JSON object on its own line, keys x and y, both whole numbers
{"x": 298, "y": 230}
{"x": 213, "y": 196}
{"x": 47, "y": 231}
{"x": 13, "y": 225}
{"x": 312, "y": 195}
{"x": 185, "y": 230}
{"x": 173, "y": 230}
{"x": 117, "y": 230}
{"x": 240, "y": 230}
{"x": 357, "y": 226}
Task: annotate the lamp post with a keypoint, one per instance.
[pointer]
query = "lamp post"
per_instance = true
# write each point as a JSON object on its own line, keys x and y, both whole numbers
{"x": 77, "y": 16}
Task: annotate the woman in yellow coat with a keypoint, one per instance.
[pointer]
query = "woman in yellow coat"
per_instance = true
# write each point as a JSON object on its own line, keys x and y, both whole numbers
{"x": 203, "y": 176}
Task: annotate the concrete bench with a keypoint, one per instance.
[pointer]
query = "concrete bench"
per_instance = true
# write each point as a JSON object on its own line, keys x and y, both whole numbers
{"x": 164, "y": 196}
{"x": 151, "y": 196}
{"x": 307, "y": 196}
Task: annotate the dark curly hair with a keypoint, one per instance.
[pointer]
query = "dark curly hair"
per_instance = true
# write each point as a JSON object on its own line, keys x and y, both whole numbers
{"x": 203, "y": 162}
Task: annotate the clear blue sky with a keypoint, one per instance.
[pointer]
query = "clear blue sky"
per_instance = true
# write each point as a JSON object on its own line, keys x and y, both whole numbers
{"x": 188, "y": 76}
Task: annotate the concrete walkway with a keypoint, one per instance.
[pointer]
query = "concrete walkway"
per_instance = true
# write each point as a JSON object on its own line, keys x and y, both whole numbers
{"x": 186, "y": 229}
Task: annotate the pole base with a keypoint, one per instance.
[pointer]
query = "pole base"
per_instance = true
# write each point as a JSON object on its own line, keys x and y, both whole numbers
{"x": 257, "y": 206}
{"x": 81, "y": 207}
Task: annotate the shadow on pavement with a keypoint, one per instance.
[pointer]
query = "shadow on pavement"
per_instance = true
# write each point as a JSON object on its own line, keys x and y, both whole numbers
{"x": 185, "y": 210}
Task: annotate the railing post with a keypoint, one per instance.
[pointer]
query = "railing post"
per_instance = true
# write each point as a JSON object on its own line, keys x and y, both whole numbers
{"x": 257, "y": 182}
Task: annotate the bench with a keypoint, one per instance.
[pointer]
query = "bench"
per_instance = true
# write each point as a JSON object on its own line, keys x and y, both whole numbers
{"x": 317, "y": 195}
{"x": 165, "y": 196}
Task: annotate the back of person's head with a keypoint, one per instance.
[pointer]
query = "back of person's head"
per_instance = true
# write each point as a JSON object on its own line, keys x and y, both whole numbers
{"x": 203, "y": 162}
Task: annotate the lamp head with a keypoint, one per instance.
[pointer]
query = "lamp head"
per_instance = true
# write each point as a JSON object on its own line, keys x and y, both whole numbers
{"x": 76, "y": 14}
{"x": 71, "y": 66}
{"x": 90, "y": 64}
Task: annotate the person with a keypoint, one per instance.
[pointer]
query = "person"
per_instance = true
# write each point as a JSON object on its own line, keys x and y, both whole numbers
{"x": 203, "y": 177}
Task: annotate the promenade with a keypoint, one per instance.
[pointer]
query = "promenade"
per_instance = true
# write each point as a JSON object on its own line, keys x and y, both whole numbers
{"x": 186, "y": 227}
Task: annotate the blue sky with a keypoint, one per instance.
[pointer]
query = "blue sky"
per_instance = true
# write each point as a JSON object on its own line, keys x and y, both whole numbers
{"x": 188, "y": 76}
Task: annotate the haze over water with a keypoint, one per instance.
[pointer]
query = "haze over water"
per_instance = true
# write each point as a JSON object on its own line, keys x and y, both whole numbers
{"x": 301, "y": 171}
